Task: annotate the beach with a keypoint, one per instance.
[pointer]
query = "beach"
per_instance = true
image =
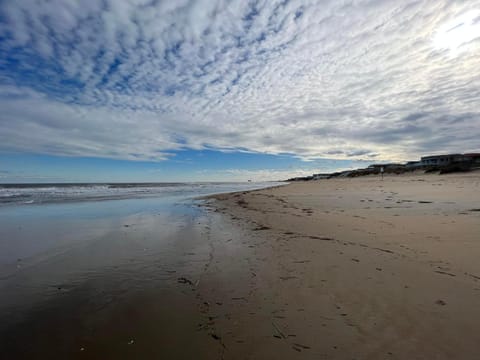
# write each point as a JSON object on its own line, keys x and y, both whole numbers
{"x": 349, "y": 268}
{"x": 353, "y": 269}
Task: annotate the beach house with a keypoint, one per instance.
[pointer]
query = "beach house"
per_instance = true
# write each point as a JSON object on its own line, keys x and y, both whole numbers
{"x": 442, "y": 160}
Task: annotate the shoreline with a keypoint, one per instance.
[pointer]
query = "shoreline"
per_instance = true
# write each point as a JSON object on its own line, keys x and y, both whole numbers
{"x": 330, "y": 269}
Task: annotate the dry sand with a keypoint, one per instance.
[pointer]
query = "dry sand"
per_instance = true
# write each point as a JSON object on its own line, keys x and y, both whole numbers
{"x": 347, "y": 269}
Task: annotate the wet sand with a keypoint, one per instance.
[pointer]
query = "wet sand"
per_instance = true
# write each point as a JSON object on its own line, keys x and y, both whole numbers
{"x": 333, "y": 269}
{"x": 118, "y": 292}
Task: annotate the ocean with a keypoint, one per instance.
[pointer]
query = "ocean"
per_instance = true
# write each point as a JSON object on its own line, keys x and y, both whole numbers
{"x": 25, "y": 194}
{"x": 38, "y": 219}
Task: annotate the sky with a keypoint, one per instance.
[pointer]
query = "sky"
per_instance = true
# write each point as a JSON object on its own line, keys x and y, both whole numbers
{"x": 222, "y": 90}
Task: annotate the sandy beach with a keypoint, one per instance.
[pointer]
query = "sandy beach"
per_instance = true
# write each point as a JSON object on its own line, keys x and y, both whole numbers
{"x": 353, "y": 268}
{"x": 239, "y": 180}
{"x": 350, "y": 269}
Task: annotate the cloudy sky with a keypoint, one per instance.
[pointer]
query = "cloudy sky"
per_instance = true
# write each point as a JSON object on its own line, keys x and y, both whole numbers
{"x": 200, "y": 90}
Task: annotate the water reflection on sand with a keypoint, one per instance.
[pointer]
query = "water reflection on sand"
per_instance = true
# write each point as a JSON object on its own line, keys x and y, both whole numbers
{"x": 72, "y": 274}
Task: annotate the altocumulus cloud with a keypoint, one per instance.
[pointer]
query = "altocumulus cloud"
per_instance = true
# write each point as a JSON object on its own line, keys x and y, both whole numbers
{"x": 338, "y": 79}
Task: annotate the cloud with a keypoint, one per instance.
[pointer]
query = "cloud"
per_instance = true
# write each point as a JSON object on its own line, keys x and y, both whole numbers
{"x": 138, "y": 79}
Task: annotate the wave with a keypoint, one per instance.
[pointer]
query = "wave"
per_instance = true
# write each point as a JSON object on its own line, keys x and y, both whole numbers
{"x": 22, "y": 194}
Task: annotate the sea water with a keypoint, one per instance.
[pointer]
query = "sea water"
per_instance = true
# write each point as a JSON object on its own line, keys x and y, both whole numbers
{"x": 38, "y": 218}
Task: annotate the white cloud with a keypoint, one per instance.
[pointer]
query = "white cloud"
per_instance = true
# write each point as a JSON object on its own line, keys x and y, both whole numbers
{"x": 135, "y": 79}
